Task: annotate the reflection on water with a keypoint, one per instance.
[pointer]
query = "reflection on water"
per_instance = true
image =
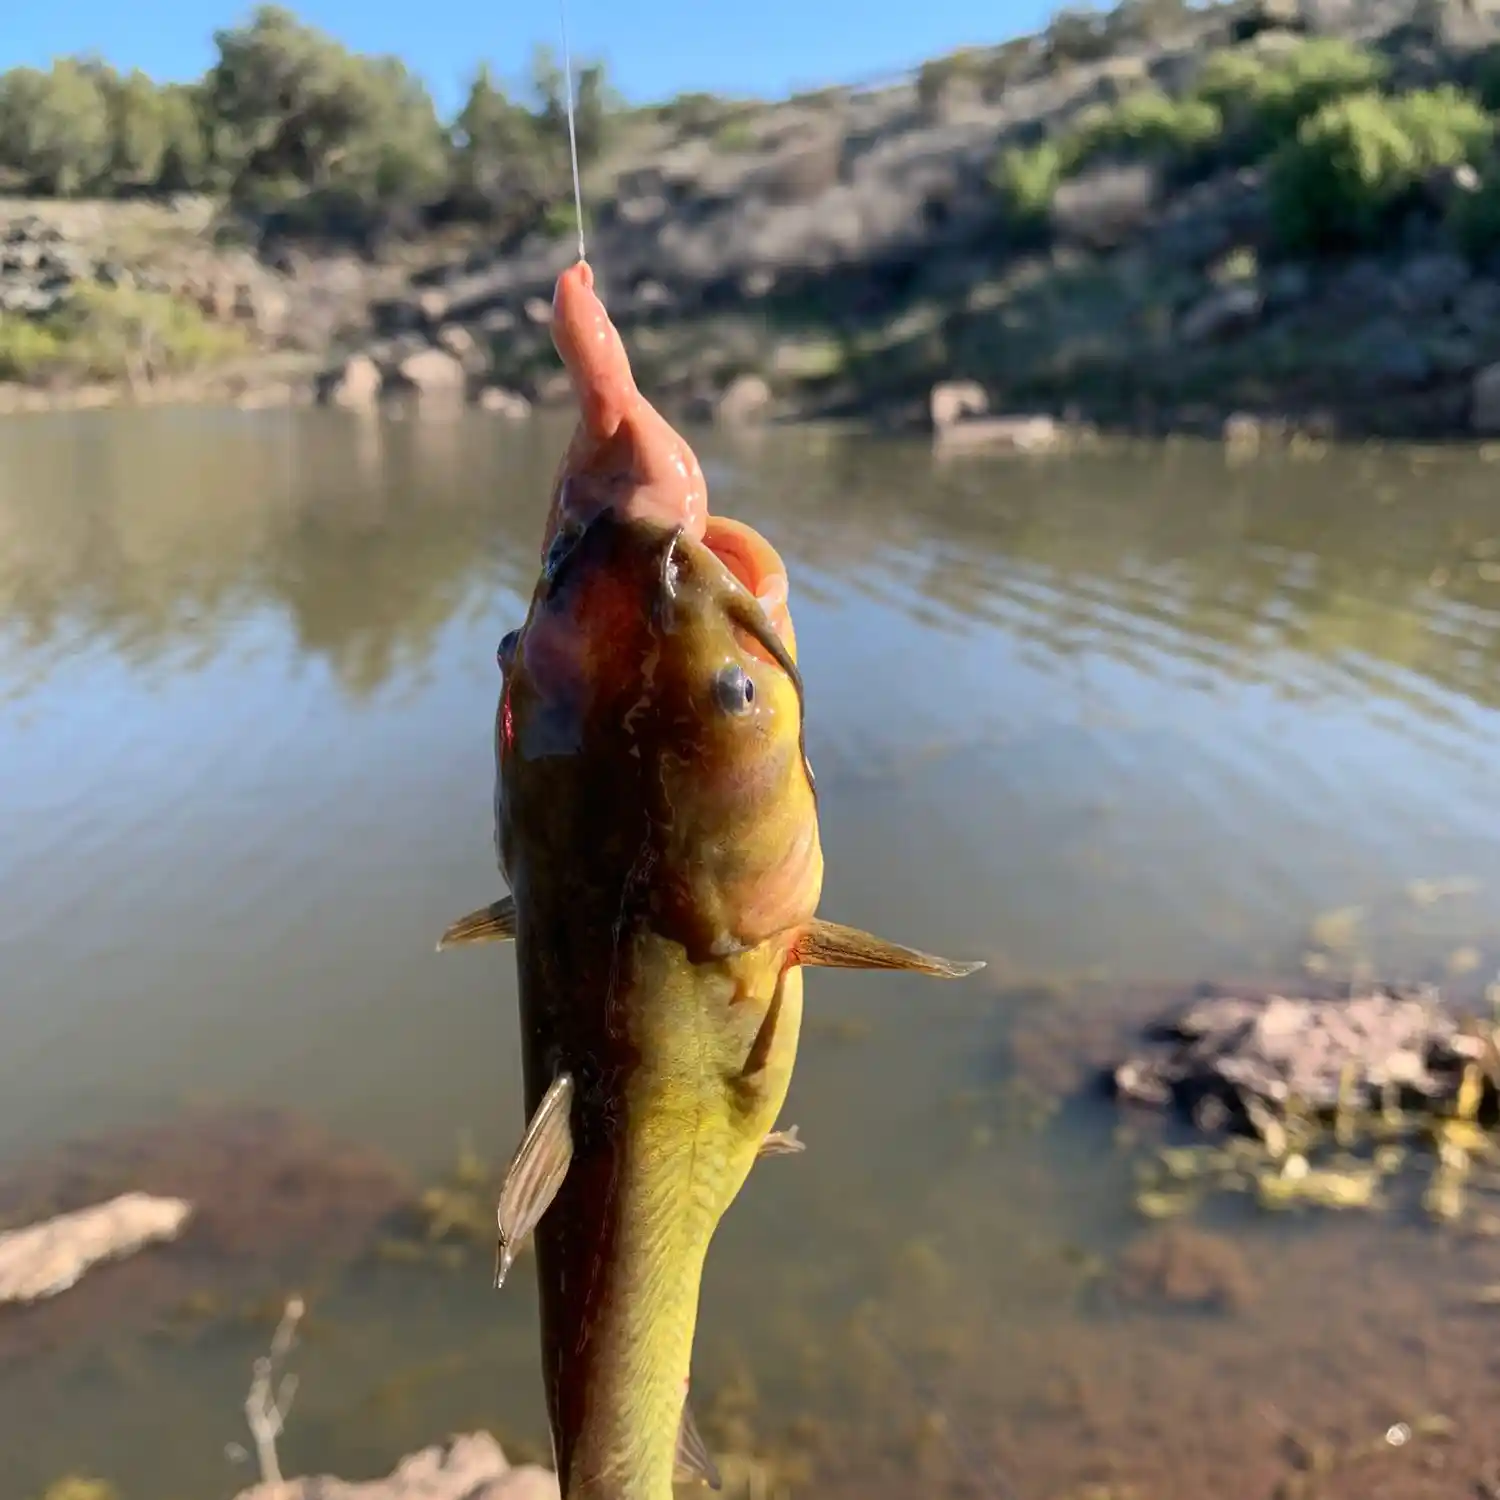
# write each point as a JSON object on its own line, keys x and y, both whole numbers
{"x": 1126, "y": 720}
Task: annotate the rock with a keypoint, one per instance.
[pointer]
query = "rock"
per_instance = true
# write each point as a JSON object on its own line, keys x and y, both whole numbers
{"x": 1106, "y": 206}
{"x": 1243, "y": 432}
{"x": 264, "y": 306}
{"x": 1484, "y": 401}
{"x": 1477, "y": 310}
{"x": 505, "y": 403}
{"x": 1387, "y": 355}
{"x": 1458, "y": 24}
{"x": 355, "y": 384}
{"x": 472, "y": 1467}
{"x": 1272, "y": 1048}
{"x": 1287, "y": 286}
{"x": 649, "y": 296}
{"x": 1003, "y": 434}
{"x": 1431, "y": 283}
{"x": 48, "y": 1258}
{"x": 1442, "y": 187}
{"x": 1224, "y": 312}
{"x": 1267, "y": 15}
{"x": 455, "y": 339}
{"x": 433, "y": 374}
{"x": 954, "y": 400}
{"x": 432, "y": 306}
{"x": 1360, "y": 288}
{"x": 638, "y": 212}
{"x": 538, "y": 310}
{"x": 747, "y": 399}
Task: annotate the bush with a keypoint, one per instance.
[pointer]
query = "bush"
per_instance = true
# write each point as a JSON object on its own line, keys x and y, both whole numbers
{"x": 1148, "y": 123}
{"x": 1358, "y": 161}
{"x": 27, "y": 349}
{"x": 106, "y": 333}
{"x": 1027, "y": 178}
{"x": 1263, "y": 98}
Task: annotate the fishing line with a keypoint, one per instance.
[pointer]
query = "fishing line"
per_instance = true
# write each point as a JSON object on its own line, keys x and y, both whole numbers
{"x": 562, "y": 6}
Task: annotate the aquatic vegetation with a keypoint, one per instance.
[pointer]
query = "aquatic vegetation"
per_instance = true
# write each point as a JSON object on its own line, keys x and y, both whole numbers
{"x": 1353, "y": 1155}
{"x": 80, "y": 1487}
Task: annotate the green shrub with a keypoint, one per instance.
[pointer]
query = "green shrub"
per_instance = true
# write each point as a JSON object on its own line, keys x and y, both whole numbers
{"x": 106, "y": 333}
{"x": 735, "y": 134}
{"x": 1027, "y": 178}
{"x": 28, "y": 349}
{"x": 1357, "y": 161}
{"x": 1147, "y": 123}
{"x": 1263, "y": 98}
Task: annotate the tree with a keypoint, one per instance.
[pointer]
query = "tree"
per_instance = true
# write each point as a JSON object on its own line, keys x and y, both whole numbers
{"x": 55, "y": 127}
{"x": 137, "y": 127}
{"x": 187, "y": 161}
{"x": 302, "y": 123}
{"x": 498, "y": 153}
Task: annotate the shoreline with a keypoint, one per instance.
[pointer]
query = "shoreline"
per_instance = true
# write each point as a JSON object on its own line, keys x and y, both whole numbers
{"x": 1034, "y": 429}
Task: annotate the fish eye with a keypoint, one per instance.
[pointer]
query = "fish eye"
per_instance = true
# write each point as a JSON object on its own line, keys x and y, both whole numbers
{"x": 505, "y": 652}
{"x": 734, "y": 691}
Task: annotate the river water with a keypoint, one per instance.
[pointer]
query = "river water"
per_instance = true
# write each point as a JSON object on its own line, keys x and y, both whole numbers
{"x": 1117, "y": 723}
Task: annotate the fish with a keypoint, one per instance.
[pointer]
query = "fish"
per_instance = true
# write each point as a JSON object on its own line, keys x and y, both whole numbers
{"x": 656, "y": 822}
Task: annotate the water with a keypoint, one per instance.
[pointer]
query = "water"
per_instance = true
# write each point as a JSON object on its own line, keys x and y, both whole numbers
{"x": 1114, "y": 723}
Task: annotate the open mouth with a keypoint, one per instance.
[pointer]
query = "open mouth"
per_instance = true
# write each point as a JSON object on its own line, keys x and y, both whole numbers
{"x": 752, "y": 560}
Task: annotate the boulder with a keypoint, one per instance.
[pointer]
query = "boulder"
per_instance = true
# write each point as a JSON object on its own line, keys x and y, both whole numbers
{"x": 1223, "y": 313}
{"x": 746, "y": 399}
{"x": 953, "y": 400}
{"x": 456, "y": 340}
{"x": 433, "y": 375}
{"x": 1484, "y": 401}
{"x": 355, "y": 384}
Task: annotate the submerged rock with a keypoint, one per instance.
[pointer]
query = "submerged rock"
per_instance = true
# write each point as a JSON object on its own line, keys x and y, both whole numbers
{"x": 472, "y": 1467}
{"x": 45, "y": 1259}
{"x": 1232, "y": 1051}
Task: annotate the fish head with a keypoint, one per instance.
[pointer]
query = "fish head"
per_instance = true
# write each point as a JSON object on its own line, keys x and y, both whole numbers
{"x": 652, "y": 716}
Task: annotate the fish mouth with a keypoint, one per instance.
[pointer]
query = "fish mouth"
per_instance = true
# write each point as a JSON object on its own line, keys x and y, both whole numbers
{"x": 751, "y": 559}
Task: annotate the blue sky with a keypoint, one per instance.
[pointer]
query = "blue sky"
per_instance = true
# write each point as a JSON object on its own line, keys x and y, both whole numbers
{"x": 654, "y": 48}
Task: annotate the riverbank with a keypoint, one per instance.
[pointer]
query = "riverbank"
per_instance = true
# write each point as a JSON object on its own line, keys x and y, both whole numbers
{"x": 1144, "y": 226}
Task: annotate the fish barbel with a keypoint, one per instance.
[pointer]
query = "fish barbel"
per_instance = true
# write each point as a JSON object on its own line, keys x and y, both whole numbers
{"x": 656, "y": 821}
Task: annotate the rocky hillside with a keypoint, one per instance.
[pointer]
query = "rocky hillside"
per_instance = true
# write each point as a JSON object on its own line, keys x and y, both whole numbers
{"x": 1155, "y": 217}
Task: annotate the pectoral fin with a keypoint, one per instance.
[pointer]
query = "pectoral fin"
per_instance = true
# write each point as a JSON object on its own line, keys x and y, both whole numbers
{"x": 495, "y": 923}
{"x": 535, "y": 1174}
{"x": 831, "y": 945}
{"x": 782, "y": 1143}
{"x": 694, "y": 1462}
